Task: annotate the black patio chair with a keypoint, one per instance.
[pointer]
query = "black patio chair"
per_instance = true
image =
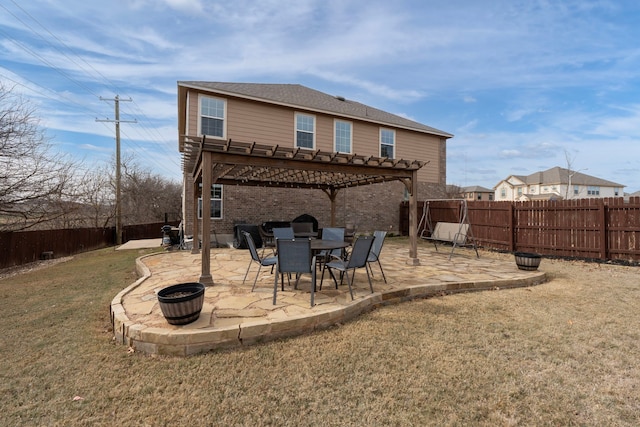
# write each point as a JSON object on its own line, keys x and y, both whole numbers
{"x": 376, "y": 248}
{"x": 268, "y": 240}
{"x": 333, "y": 233}
{"x": 295, "y": 256}
{"x": 283, "y": 233}
{"x": 357, "y": 259}
{"x": 255, "y": 257}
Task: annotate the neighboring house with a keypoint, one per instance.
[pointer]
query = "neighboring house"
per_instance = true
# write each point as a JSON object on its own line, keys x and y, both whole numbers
{"x": 477, "y": 192}
{"x": 555, "y": 183}
{"x": 291, "y": 115}
{"x": 628, "y": 196}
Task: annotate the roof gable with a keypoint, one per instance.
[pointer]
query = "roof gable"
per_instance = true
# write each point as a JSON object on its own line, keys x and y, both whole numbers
{"x": 298, "y": 96}
{"x": 558, "y": 175}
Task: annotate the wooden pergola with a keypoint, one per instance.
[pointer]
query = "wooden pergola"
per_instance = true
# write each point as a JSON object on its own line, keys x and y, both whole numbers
{"x": 214, "y": 161}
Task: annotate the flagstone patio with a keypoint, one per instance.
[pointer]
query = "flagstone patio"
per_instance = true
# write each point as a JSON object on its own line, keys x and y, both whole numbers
{"x": 234, "y": 316}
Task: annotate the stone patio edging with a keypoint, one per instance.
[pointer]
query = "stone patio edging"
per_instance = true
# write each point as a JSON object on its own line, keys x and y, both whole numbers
{"x": 185, "y": 342}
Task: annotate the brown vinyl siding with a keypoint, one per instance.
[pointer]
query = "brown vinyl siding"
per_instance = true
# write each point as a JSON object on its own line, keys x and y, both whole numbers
{"x": 250, "y": 121}
{"x": 412, "y": 145}
{"x": 365, "y": 139}
{"x": 324, "y": 132}
{"x": 193, "y": 115}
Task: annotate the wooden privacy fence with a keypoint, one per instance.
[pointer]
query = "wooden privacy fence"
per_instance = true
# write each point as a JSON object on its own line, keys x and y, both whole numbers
{"x": 604, "y": 229}
{"x": 21, "y": 247}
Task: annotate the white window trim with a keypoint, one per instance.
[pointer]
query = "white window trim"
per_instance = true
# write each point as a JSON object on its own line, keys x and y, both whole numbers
{"x": 593, "y": 190}
{"x": 380, "y": 143}
{"x": 224, "y": 119}
{"x": 212, "y": 199}
{"x": 295, "y": 130}
{"x": 335, "y": 141}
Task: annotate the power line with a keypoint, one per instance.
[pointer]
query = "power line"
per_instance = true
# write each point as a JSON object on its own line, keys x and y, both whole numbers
{"x": 61, "y": 42}
{"x": 49, "y": 64}
{"x": 150, "y": 131}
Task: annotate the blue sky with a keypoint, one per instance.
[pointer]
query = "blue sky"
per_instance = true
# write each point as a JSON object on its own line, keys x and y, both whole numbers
{"x": 523, "y": 85}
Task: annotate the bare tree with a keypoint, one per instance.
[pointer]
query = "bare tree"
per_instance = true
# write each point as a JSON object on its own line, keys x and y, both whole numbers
{"x": 33, "y": 179}
{"x": 570, "y": 172}
{"x": 147, "y": 197}
{"x": 97, "y": 195}
{"x": 454, "y": 191}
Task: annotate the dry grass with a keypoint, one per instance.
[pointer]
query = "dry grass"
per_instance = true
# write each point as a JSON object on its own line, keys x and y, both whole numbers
{"x": 563, "y": 353}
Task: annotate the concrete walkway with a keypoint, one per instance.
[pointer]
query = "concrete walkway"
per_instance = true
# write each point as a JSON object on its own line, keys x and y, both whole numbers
{"x": 233, "y": 315}
{"x": 140, "y": 244}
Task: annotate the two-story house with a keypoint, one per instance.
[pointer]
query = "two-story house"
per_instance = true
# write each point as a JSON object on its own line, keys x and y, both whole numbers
{"x": 555, "y": 183}
{"x": 296, "y": 117}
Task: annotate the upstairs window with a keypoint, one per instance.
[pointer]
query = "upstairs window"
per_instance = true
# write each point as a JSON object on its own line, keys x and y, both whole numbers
{"x": 593, "y": 190}
{"x": 387, "y": 143}
{"x": 576, "y": 190}
{"x": 616, "y": 191}
{"x": 342, "y": 136}
{"x": 212, "y": 116}
{"x": 305, "y": 131}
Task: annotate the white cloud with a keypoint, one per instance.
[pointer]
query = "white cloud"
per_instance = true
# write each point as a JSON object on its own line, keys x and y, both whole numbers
{"x": 517, "y": 81}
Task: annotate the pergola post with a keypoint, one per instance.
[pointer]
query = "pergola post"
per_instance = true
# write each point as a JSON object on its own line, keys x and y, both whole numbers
{"x": 332, "y": 197}
{"x": 207, "y": 182}
{"x": 413, "y": 219}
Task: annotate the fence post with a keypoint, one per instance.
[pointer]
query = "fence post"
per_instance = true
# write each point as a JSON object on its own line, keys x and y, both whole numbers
{"x": 604, "y": 231}
{"x": 512, "y": 228}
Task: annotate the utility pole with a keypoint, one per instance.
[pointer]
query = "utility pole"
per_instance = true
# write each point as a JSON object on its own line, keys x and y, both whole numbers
{"x": 117, "y": 121}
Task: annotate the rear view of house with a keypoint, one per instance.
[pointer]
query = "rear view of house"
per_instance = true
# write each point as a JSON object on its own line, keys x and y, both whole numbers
{"x": 300, "y": 118}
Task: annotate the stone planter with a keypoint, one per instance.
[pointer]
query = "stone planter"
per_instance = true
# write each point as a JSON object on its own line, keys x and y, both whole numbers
{"x": 181, "y": 303}
{"x": 527, "y": 260}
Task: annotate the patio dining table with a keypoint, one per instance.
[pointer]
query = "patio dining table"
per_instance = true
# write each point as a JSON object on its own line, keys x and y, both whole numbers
{"x": 312, "y": 234}
{"x": 318, "y": 245}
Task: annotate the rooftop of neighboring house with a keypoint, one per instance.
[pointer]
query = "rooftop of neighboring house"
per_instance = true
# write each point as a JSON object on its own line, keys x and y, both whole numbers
{"x": 476, "y": 189}
{"x": 558, "y": 175}
{"x": 298, "y": 96}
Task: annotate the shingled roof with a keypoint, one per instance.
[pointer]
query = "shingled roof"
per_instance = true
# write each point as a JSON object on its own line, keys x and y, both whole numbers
{"x": 558, "y": 175}
{"x": 302, "y": 97}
